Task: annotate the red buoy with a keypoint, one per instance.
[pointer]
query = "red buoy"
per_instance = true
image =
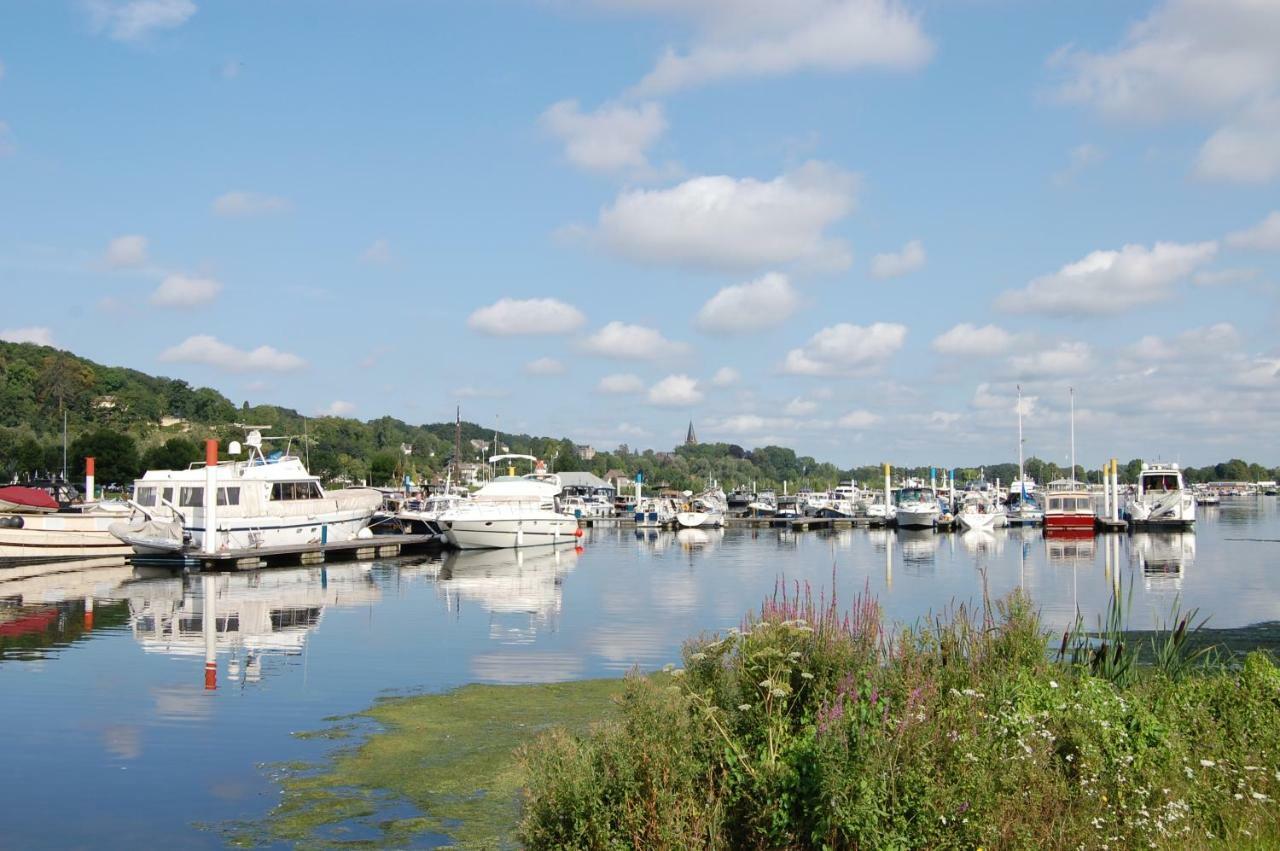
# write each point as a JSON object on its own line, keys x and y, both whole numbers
{"x": 577, "y": 533}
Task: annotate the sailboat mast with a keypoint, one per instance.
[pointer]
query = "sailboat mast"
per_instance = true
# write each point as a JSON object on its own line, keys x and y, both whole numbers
{"x": 457, "y": 444}
{"x": 1022, "y": 476}
{"x": 1072, "y": 390}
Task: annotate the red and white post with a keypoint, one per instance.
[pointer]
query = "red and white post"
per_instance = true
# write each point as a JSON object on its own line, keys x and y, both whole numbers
{"x": 88, "y": 480}
{"x": 210, "y": 497}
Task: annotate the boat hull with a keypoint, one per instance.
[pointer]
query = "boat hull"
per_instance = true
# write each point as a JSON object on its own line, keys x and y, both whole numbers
{"x": 488, "y": 534}
{"x": 916, "y": 518}
{"x": 978, "y": 522}
{"x": 50, "y": 537}
{"x": 1069, "y": 522}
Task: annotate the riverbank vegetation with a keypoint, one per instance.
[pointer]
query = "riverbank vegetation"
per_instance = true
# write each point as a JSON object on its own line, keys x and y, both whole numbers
{"x": 130, "y": 421}
{"x": 809, "y": 727}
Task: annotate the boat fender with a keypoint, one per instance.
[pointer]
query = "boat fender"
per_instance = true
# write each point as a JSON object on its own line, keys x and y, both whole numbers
{"x": 11, "y": 522}
{"x": 577, "y": 533}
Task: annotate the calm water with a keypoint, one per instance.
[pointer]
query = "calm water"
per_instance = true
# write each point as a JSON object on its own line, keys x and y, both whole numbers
{"x": 113, "y": 739}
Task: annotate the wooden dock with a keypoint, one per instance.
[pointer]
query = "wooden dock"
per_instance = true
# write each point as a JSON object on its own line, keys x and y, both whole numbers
{"x": 377, "y": 546}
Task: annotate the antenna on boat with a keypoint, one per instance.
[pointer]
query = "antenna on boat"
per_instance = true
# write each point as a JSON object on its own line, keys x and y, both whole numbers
{"x": 1072, "y": 391}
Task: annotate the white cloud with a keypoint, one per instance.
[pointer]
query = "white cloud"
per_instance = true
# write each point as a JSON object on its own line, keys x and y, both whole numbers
{"x": 1224, "y": 277}
{"x": 185, "y": 291}
{"x": 1080, "y": 158}
{"x": 858, "y": 419}
{"x": 240, "y": 204}
{"x": 1195, "y": 344}
{"x": 969, "y": 340}
{"x": 800, "y": 407}
{"x": 1245, "y": 149}
{"x": 1187, "y": 57}
{"x": 1065, "y": 359}
{"x": 210, "y": 351}
{"x": 675, "y": 391}
{"x": 137, "y": 19}
{"x": 8, "y": 146}
{"x": 613, "y": 138}
{"x": 726, "y": 376}
{"x": 1264, "y": 236}
{"x": 471, "y": 391}
{"x": 987, "y": 399}
{"x": 750, "y": 38}
{"x": 762, "y": 303}
{"x": 631, "y": 342}
{"x": 1110, "y": 281}
{"x": 897, "y": 264}
{"x": 544, "y": 366}
{"x": 126, "y": 251}
{"x": 846, "y": 349}
{"x": 731, "y": 224}
{"x": 37, "y": 334}
{"x": 338, "y": 408}
{"x": 378, "y": 253}
{"x": 513, "y": 316}
{"x": 621, "y": 384}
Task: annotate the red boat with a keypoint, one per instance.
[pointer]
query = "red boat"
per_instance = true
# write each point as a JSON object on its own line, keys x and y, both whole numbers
{"x": 1069, "y": 508}
{"x": 24, "y": 500}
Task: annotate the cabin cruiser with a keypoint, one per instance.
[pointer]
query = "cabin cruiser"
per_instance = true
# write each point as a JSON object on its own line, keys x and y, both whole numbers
{"x": 1069, "y": 507}
{"x": 44, "y": 521}
{"x": 266, "y": 501}
{"x": 1161, "y": 499}
{"x": 878, "y": 512}
{"x": 1207, "y": 496}
{"x": 422, "y": 516}
{"x": 917, "y": 508}
{"x": 511, "y": 511}
{"x": 740, "y": 498}
{"x": 655, "y": 513}
{"x": 765, "y": 505}
{"x": 704, "y": 511}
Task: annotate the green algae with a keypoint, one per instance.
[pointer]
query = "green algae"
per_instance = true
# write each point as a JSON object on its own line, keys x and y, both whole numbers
{"x": 438, "y": 770}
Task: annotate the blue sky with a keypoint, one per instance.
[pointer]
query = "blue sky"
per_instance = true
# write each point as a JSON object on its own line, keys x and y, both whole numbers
{"x": 850, "y": 226}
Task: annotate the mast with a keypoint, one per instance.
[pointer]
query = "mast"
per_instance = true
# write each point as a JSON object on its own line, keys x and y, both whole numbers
{"x": 457, "y": 445}
{"x": 1072, "y": 391}
{"x": 1022, "y": 476}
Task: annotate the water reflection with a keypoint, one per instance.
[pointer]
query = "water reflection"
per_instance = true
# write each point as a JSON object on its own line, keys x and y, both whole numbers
{"x": 526, "y": 584}
{"x": 919, "y": 549}
{"x": 1070, "y": 549}
{"x": 1163, "y": 558}
{"x": 249, "y": 618}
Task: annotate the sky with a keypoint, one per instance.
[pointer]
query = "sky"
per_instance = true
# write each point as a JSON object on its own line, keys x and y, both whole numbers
{"x": 852, "y": 227}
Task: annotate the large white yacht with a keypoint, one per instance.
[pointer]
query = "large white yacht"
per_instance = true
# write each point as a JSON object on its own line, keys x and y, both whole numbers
{"x": 1161, "y": 498}
{"x": 265, "y": 501}
{"x": 917, "y": 508}
{"x": 511, "y": 511}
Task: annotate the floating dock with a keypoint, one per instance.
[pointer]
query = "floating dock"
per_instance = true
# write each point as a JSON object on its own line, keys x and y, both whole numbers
{"x": 377, "y": 546}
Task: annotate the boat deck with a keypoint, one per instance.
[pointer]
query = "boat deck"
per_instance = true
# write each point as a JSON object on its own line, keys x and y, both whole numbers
{"x": 378, "y": 546}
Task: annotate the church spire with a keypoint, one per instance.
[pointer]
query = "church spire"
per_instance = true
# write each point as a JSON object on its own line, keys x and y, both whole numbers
{"x": 691, "y": 439}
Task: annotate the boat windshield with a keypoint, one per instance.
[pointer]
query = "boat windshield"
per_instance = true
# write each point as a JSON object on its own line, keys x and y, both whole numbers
{"x": 1160, "y": 482}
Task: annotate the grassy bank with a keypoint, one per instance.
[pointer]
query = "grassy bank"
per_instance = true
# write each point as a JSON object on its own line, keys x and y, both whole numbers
{"x": 812, "y": 728}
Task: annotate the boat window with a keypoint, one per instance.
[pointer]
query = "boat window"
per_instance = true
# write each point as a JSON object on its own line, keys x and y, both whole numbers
{"x": 145, "y": 496}
{"x": 228, "y": 496}
{"x": 1055, "y": 503}
{"x": 192, "y": 498}
{"x": 1160, "y": 483}
{"x": 282, "y": 490}
{"x": 167, "y": 495}
{"x": 313, "y": 490}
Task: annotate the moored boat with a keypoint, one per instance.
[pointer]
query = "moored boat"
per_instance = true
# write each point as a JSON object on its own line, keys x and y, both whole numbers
{"x": 511, "y": 511}
{"x": 1161, "y": 499}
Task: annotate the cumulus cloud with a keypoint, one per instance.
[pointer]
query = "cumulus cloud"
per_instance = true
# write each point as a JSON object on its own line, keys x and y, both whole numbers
{"x": 378, "y": 253}
{"x": 185, "y": 291}
{"x": 1196, "y": 343}
{"x": 1224, "y": 277}
{"x": 207, "y": 350}
{"x": 734, "y": 224}
{"x": 473, "y": 391}
{"x": 726, "y": 376}
{"x": 898, "y": 263}
{"x": 631, "y": 342}
{"x": 242, "y": 204}
{"x": 338, "y": 408}
{"x": 509, "y": 317}
{"x": 747, "y": 38}
{"x": 1194, "y": 59}
{"x": 1245, "y": 149}
{"x": 37, "y": 334}
{"x": 800, "y": 407}
{"x": 846, "y": 349}
{"x": 621, "y": 384}
{"x": 967, "y": 339}
{"x": 675, "y": 391}
{"x": 1064, "y": 359}
{"x": 858, "y": 419}
{"x": 126, "y": 251}
{"x": 544, "y": 366}
{"x": 1264, "y": 236}
{"x": 1080, "y": 159}
{"x": 137, "y": 19}
{"x": 613, "y": 138}
{"x": 1110, "y": 281}
{"x": 762, "y": 303}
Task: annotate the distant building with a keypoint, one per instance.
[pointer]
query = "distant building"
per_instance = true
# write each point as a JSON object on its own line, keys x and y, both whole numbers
{"x": 586, "y": 453}
{"x": 691, "y": 439}
{"x": 615, "y": 477}
{"x": 105, "y": 403}
{"x": 167, "y": 422}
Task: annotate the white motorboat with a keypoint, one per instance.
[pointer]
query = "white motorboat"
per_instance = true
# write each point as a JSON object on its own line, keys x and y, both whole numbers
{"x": 704, "y": 511}
{"x": 1161, "y": 500}
{"x": 655, "y": 513}
{"x": 422, "y": 516}
{"x": 1021, "y": 506}
{"x": 765, "y": 505}
{"x": 264, "y": 502}
{"x": 917, "y": 508}
{"x": 877, "y": 511}
{"x": 511, "y": 511}
{"x": 979, "y": 511}
{"x": 71, "y": 533}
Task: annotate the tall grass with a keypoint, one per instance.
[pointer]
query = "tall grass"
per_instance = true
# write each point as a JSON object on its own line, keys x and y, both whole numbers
{"x": 815, "y": 726}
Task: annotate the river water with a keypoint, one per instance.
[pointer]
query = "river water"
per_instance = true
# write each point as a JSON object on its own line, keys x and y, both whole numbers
{"x": 118, "y": 736}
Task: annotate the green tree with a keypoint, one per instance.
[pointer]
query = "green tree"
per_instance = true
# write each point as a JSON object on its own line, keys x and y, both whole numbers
{"x": 115, "y": 453}
{"x": 176, "y": 453}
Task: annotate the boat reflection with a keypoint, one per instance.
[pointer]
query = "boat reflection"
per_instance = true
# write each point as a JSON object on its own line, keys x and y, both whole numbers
{"x": 1064, "y": 547}
{"x": 699, "y": 540}
{"x": 1163, "y": 557}
{"x": 249, "y": 618}
{"x": 524, "y": 583}
{"x": 919, "y": 548}
{"x": 985, "y": 542}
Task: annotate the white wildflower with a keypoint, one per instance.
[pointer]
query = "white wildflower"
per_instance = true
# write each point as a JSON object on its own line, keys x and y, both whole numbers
{"x": 1053, "y": 683}
{"x": 806, "y": 675}
{"x": 1208, "y": 763}
{"x": 743, "y": 707}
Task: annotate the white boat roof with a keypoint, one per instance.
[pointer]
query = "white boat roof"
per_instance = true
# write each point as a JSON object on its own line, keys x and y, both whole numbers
{"x": 514, "y": 488}
{"x": 287, "y": 468}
